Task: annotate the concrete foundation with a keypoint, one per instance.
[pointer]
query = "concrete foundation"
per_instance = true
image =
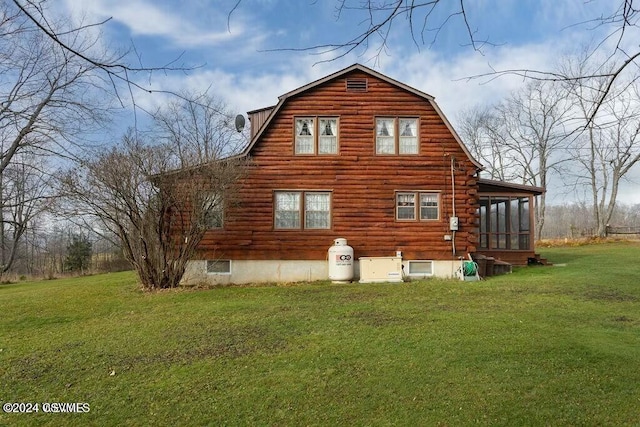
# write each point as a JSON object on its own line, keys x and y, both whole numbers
{"x": 284, "y": 271}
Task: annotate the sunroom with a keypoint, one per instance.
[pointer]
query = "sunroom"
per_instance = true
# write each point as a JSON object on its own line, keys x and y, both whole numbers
{"x": 506, "y": 221}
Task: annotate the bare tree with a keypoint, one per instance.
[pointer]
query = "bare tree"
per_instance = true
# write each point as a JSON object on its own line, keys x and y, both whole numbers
{"x": 480, "y": 129}
{"x": 609, "y": 145}
{"x": 25, "y": 193}
{"x": 49, "y": 100}
{"x": 113, "y": 69}
{"x": 569, "y": 220}
{"x": 196, "y": 127}
{"x": 536, "y": 128}
{"x": 58, "y": 84}
{"x": 423, "y": 22}
{"x": 158, "y": 193}
{"x": 523, "y": 138}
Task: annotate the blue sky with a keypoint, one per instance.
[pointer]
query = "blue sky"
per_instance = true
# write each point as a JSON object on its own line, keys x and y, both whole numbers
{"x": 238, "y": 55}
{"x": 245, "y": 58}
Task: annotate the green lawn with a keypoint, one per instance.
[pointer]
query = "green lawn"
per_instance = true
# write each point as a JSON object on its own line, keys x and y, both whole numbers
{"x": 543, "y": 346}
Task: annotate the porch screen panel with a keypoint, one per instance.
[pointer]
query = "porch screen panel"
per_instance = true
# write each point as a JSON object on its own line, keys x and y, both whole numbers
{"x": 484, "y": 222}
{"x": 498, "y": 217}
{"x": 525, "y": 227}
{"x": 493, "y": 224}
{"x": 514, "y": 224}
{"x": 502, "y": 206}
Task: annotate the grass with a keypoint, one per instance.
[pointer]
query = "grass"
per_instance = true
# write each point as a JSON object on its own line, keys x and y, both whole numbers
{"x": 543, "y": 346}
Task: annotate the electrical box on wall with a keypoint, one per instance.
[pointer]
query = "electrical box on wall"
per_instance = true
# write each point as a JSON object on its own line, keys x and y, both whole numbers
{"x": 453, "y": 223}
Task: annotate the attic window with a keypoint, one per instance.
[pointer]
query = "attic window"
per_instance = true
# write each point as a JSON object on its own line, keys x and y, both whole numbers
{"x": 357, "y": 85}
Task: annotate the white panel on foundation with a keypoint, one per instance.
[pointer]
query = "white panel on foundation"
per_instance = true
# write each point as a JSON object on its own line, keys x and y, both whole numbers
{"x": 380, "y": 269}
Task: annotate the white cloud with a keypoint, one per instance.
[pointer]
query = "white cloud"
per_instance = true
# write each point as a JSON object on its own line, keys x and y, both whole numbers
{"x": 143, "y": 18}
{"x": 248, "y": 79}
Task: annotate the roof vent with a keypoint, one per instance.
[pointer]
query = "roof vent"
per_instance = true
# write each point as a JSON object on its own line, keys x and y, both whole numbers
{"x": 357, "y": 85}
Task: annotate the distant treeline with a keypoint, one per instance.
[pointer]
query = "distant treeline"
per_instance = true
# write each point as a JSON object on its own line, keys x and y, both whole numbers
{"x": 575, "y": 220}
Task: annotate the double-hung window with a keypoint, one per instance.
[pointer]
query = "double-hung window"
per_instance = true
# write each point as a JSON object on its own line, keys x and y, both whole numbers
{"x": 429, "y": 206}
{"x": 316, "y": 135}
{"x": 385, "y": 136}
{"x": 302, "y": 209}
{"x": 417, "y": 205}
{"x": 397, "y": 135}
{"x": 305, "y": 131}
{"x": 213, "y": 211}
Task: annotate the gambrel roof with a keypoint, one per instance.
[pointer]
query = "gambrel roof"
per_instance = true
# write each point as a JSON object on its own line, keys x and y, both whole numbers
{"x": 355, "y": 67}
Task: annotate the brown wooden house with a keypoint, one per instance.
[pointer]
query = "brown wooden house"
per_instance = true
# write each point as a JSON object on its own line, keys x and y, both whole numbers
{"x": 360, "y": 156}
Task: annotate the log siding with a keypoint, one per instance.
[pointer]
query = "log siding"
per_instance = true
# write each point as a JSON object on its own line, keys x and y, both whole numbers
{"x": 363, "y": 185}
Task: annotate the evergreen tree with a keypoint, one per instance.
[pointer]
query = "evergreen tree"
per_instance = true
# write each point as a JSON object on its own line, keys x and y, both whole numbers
{"x": 79, "y": 253}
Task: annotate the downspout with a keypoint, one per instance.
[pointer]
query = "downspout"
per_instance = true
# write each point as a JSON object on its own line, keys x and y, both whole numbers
{"x": 453, "y": 208}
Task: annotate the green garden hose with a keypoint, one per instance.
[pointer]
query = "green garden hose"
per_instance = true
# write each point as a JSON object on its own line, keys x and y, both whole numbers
{"x": 469, "y": 268}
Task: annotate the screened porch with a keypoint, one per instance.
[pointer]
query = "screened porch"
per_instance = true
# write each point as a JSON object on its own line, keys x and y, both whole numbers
{"x": 506, "y": 221}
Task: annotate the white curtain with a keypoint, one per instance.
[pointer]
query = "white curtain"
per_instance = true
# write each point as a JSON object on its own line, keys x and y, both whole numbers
{"x": 287, "y": 209}
{"x": 408, "y": 136}
{"x": 428, "y": 206}
{"x": 304, "y": 136}
{"x": 385, "y": 141}
{"x": 328, "y": 142}
{"x": 406, "y": 203}
{"x": 317, "y": 210}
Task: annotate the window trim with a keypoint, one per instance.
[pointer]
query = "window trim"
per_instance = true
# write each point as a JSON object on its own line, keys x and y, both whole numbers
{"x": 396, "y": 135}
{"x": 316, "y": 135}
{"x": 302, "y": 209}
{"x": 219, "y": 204}
{"x": 417, "y": 208}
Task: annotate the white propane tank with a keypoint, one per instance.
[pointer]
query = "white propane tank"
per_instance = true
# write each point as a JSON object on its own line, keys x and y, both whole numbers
{"x": 340, "y": 261}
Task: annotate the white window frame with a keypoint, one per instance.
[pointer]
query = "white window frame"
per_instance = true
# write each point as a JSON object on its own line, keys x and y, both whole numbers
{"x": 404, "y": 139}
{"x": 385, "y": 142}
{"x": 417, "y": 205}
{"x": 211, "y": 262}
{"x": 436, "y": 207}
{"x": 307, "y": 210}
{"x": 304, "y": 140}
{"x": 404, "y": 205}
{"x": 302, "y": 209}
{"x": 277, "y": 211}
{"x": 318, "y": 140}
{"x": 332, "y": 140}
{"x": 394, "y": 133}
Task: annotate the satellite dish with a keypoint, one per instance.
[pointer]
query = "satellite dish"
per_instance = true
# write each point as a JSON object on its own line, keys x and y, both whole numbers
{"x": 239, "y": 122}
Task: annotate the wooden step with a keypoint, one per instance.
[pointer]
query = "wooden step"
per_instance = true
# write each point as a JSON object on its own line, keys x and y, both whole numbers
{"x": 538, "y": 260}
